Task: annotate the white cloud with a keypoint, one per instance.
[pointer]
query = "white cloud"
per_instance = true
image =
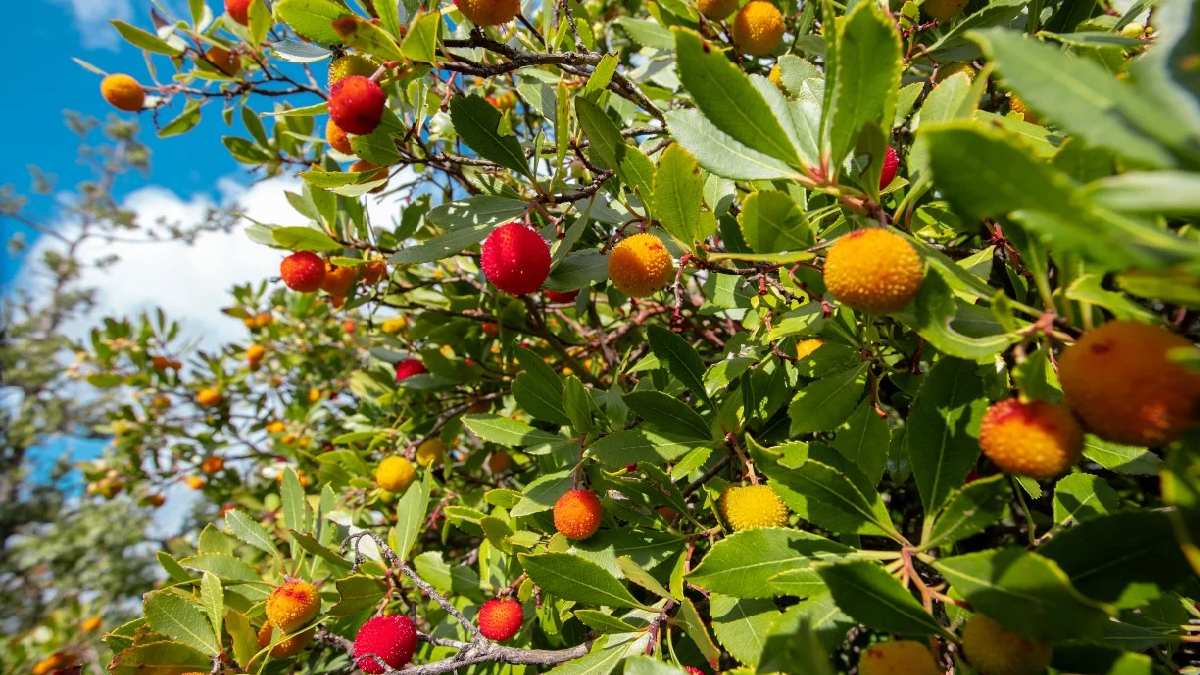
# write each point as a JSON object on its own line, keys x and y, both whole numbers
{"x": 92, "y": 20}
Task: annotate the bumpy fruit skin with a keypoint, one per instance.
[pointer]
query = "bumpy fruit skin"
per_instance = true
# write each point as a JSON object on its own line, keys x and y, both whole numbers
{"x": 338, "y": 281}
{"x": 994, "y": 650}
{"x": 515, "y": 259}
{"x": 292, "y": 604}
{"x": 208, "y": 397}
{"x": 1119, "y": 380}
{"x": 873, "y": 270}
{"x": 1036, "y": 439}
{"x": 391, "y": 639}
{"x": 286, "y": 648}
{"x": 337, "y": 138}
{"x": 303, "y": 271}
{"x": 577, "y": 514}
{"x": 1017, "y": 105}
{"x": 758, "y": 27}
{"x": 489, "y": 12}
{"x": 716, "y": 9}
{"x": 891, "y": 165}
{"x": 752, "y": 506}
{"x": 897, "y": 657}
{"x": 562, "y": 296}
{"x": 395, "y": 474}
{"x": 640, "y": 265}
{"x": 692, "y": 670}
{"x": 431, "y": 452}
{"x": 943, "y": 10}
{"x": 239, "y": 10}
{"x": 123, "y": 92}
{"x": 500, "y": 618}
{"x": 351, "y": 64}
{"x": 409, "y": 367}
{"x": 356, "y": 104}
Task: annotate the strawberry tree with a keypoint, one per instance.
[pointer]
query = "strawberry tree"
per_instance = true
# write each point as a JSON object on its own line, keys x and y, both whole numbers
{"x": 651, "y": 337}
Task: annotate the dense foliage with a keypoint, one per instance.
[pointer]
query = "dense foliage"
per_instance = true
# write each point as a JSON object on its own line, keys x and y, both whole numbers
{"x": 833, "y": 338}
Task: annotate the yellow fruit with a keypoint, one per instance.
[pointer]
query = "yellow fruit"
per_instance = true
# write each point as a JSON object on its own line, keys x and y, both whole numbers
{"x": 314, "y": 395}
{"x": 351, "y": 64}
{"x": 640, "y": 265}
{"x": 1017, "y": 105}
{"x": 946, "y": 72}
{"x": 873, "y": 270}
{"x": 208, "y": 397}
{"x": 1133, "y": 31}
{"x": 1036, "y": 439}
{"x": 394, "y": 325}
{"x": 776, "y": 76}
{"x": 758, "y": 28}
{"x": 752, "y": 506}
{"x": 338, "y": 140}
{"x": 897, "y": 657}
{"x": 292, "y": 605}
{"x": 994, "y": 650}
{"x": 255, "y": 353}
{"x": 395, "y": 474}
{"x": 212, "y": 464}
{"x": 90, "y": 624}
{"x": 489, "y": 12}
{"x": 286, "y": 648}
{"x": 716, "y": 9}
{"x": 431, "y": 452}
{"x": 123, "y": 92}
{"x": 195, "y": 482}
{"x": 943, "y": 10}
{"x": 805, "y": 348}
{"x": 1120, "y": 381}
{"x": 51, "y": 663}
{"x": 276, "y": 427}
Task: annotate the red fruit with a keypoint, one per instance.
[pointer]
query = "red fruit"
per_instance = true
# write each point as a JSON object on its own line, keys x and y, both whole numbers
{"x": 391, "y": 639}
{"x": 409, "y": 367}
{"x": 239, "y": 10}
{"x": 356, "y": 104}
{"x": 692, "y": 670}
{"x": 891, "y": 164}
{"x": 303, "y": 271}
{"x": 516, "y": 259}
{"x": 562, "y": 296}
{"x": 577, "y": 514}
{"x": 500, "y": 619}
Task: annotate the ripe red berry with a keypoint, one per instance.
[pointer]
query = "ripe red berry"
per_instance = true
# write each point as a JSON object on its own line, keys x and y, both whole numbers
{"x": 516, "y": 259}
{"x": 239, "y": 10}
{"x": 577, "y": 514}
{"x": 409, "y": 367}
{"x": 692, "y": 670}
{"x": 500, "y": 619}
{"x": 562, "y": 296}
{"x": 891, "y": 164}
{"x": 392, "y": 639}
{"x": 356, "y": 104}
{"x": 303, "y": 271}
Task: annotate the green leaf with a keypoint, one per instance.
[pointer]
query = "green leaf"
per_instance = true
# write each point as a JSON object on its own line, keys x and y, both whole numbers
{"x": 727, "y": 98}
{"x": 245, "y": 639}
{"x": 421, "y": 42}
{"x": 1126, "y": 558}
{"x": 722, "y": 154}
{"x": 573, "y": 578}
{"x": 304, "y": 239}
{"x": 249, "y": 531}
{"x": 826, "y": 403}
{"x": 771, "y": 222}
{"x": 310, "y": 544}
{"x": 182, "y": 123}
{"x": 538, "y": 389}
{"x": 611, "y": 152}
{"x": 743, "y": 564}
{"x": 541, "y": 493}
{"x": 377, "y": 147}
{"x": 1026, "y": 592}
{"x": 1149, "y": 192}
{"x": 410, "y": 516}
{"x": 943, "y": 429}
{"x": 478, "y": 123}
{"x": 173, "y": 657}
{"x": 295, "y": 507}
{"x": 504, "y": 431}
{"x": 632, "y": 446}
{"x": 144, "y": 40}
{"x": 177, "y": 618}
{"x": 368, "y": 38}
{"x": 1080, "y": 497}
{"x": 601, "y": 76}
{"x": 866, "y": 80}
{"x": 833, "y": 501}
{"x": 668, "y": 414}
{"x": 245, "y": 151}
{"x": 312, "y": 19}
{"x": 742, "y": 625}
{"x": 1123, "y": 459}
{"x": 865, "y": 440}
{"x": 213, "y": 600}
{"x": 356, "y": 594}
{"x": 225, "y": 567}
{"x": 578, "y": 406}
{"x": 697, "y": 630}
{"x": 678, "y": 190}
{"x": 866, "y": 592}
{"x": 683, "y": 361}
{"x": 968, "y": 510}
